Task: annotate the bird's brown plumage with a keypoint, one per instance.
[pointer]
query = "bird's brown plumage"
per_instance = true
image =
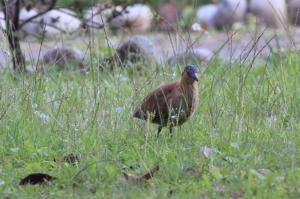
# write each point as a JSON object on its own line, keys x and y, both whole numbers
{"x": 171, "y": 104}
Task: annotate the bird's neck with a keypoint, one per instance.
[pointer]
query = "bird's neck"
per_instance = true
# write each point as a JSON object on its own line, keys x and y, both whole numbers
{"x": 189, "y": 90}
{"x": 187, "y": 86}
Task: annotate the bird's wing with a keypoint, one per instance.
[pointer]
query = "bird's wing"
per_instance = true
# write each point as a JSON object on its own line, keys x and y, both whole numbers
{"x": 157, "y": 104}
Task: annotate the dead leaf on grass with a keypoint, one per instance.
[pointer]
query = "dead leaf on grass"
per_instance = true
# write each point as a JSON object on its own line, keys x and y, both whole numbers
{"x": 280, "y": 178}
{"x": 72, "y": 158}
{"x": 237, "y": 194}
{"x": 264, "y": 171}
{"x": 36, "y": 178}
{"x": 147, "y": 176}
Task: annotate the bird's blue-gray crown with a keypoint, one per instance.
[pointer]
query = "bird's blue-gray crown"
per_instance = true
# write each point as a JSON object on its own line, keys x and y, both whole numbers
{"x": 192, "y": 67}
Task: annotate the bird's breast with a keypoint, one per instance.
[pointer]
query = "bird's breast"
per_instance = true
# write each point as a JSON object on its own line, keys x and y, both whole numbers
{"x": 188, "y": 104}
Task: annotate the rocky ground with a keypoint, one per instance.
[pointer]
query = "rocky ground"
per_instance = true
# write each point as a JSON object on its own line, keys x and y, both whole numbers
{"x": 228, "y": 46}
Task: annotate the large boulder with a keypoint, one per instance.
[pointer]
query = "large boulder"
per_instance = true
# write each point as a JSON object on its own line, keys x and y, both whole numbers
{"x": 270, "y": 13}
{"x": 60, "y": 21}
{"x": 169, "y": 16}
{"x": 197, "y": 55}
{"x": 294, "y": 12}
{"x": 66, "y": 58}
{"x": 33, "y": 27}
{"x": 2, "y": 25}
{"x": 229, "y": 12}
{"x": 205, "y": 15}
{"x": 135, "y": 19}
{"x": 96, "y": 17}
{"x": 137, "y": 48}
{"x": 2, "y": 21}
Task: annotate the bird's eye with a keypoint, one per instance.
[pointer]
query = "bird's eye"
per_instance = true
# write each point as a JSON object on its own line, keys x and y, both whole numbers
{"x": 190, "y": 72}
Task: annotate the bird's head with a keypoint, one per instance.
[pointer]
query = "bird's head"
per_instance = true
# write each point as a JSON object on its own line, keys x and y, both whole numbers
{"x": 190, "y": 73}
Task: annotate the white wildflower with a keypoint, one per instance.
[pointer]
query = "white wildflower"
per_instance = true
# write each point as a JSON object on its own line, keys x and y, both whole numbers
{"x": 196, "y": 27}
{"x": 272, "y": 119}
{"x": 122, "y": 78}
{"x": 119, "y": 109}
{"x": 34, "y": 105}
{"x": 235, "y": 145}
{"x": 14, "y": 150}
{"x": 41, "y": 115}
{"x": 207, "y": 151}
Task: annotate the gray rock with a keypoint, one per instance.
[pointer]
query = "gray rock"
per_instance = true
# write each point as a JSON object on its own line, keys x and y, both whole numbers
{"x": 58, "y": 21}
{"x": 205, "y": 15}
{"x": 2, "y": 21}
{"x": 66, "y": 58}
{"x": 135, "y": 19}
{"x": 31, "y": 28}
{"x": 271, "y": 13}
{"x": 96, "y": 17}
{"x": 138, "y": 48}
{"x": 196, "y": 55}
{"x": 168, "y": 16}
{"x": 30, "y": 69}
{"x": 294, "y": 12}
{"x": 229, "y": 12}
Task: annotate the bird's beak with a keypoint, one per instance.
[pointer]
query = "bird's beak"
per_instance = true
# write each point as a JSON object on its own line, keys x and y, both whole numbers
{"x": 195, "y": 76}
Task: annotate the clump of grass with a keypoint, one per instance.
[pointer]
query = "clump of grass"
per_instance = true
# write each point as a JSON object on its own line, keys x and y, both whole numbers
{"x": 248, "y": 117}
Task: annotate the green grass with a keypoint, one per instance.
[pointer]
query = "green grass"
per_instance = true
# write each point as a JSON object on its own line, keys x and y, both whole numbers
{"x": 249, "y": 117}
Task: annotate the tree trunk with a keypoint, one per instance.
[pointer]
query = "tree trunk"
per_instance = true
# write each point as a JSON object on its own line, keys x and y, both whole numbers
{"x": 11, "y": 12}
{"x": 18, "y": 58}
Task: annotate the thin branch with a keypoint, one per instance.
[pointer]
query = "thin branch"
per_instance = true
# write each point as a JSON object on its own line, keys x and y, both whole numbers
{"x": 9, "y": 4}
{"x": 16, "y": 15}
{"x": 50, "y": 7}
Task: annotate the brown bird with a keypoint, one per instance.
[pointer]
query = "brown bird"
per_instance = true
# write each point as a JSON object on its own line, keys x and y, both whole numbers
{"x": 171, "y": 104}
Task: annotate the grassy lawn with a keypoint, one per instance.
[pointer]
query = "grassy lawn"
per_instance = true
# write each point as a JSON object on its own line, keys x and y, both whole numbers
{"x": 242, "y": 141}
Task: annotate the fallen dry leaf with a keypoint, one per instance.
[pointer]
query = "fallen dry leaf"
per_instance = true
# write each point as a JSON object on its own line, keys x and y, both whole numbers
{"x": 237, "y": 194}
{"x": 280, "y": 178}
{"x": 264, "y": 171}
{"x": 72, "y": 158}
{"x": 36, "y": 178}
{"x": 220, "y": 189}
{"x": 147, "y": 176}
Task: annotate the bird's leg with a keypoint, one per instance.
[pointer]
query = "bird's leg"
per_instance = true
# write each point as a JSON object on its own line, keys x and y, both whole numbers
{"x": 171, "y": 131}
{"x": 158, "y": 131}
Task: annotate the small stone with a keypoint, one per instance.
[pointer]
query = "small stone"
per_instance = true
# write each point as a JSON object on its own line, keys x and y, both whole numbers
{"x": 65, "y": 57}
{"x": 138, "y": 48}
